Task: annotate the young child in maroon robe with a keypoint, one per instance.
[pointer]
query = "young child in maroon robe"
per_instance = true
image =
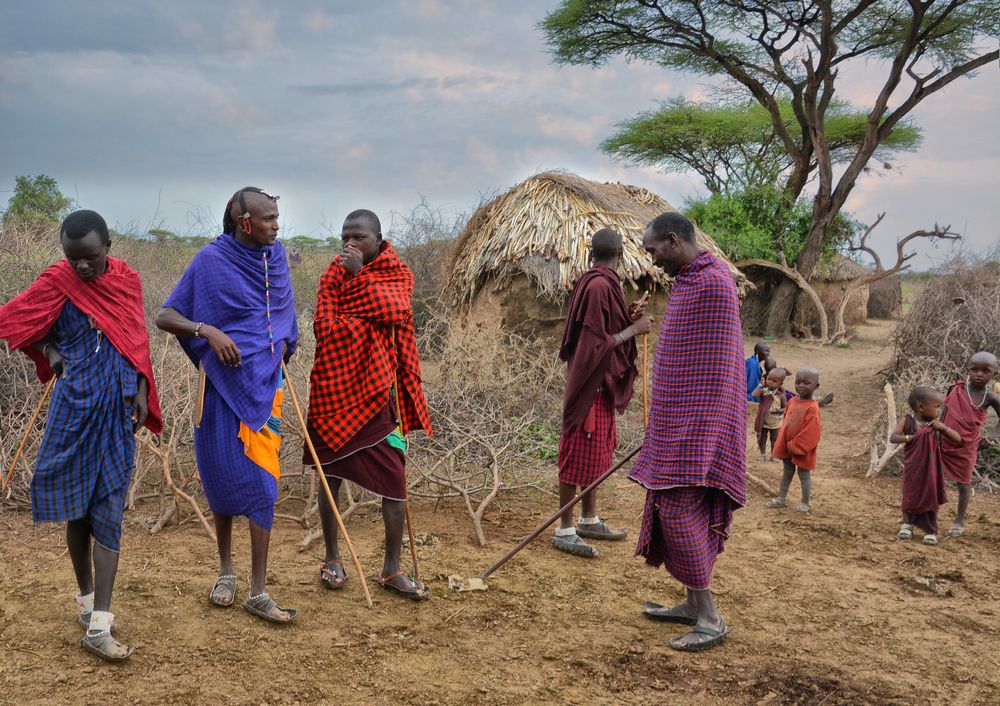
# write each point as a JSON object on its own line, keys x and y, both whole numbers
{"x": 923, "y": 477}
{"x": 965, "y": 409}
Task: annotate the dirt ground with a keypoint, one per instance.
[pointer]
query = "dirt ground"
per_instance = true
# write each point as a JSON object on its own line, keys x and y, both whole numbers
{"x": 826, "y": 609}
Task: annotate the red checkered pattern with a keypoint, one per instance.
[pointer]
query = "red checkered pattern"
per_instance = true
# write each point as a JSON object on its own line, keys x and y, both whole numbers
{"x": 356, "y": 359}
{"x": 685, "y": 528}
{"x": 582, "y": 456}
{"x": 922, "y": 488}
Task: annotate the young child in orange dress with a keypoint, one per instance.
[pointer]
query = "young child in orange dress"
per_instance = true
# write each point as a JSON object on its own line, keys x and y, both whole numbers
{"x": 798, "y": 439}
{"x": 923, "y": 477}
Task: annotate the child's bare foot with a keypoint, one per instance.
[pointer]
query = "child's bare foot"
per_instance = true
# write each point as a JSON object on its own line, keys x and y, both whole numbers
{"x": 763, "y": 457}
{"x": 802, "y": 508}
{"x": 777, "y": 502}
{"x": 905, "y": 532}
{"x": 775, "y": 460}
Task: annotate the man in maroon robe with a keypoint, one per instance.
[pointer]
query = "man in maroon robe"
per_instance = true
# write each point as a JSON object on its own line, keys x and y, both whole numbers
{"x": 600, "y": 354}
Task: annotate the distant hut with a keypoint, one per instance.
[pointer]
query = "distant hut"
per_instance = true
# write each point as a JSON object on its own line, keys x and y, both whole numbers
{"x": 829, "y": 279}
{"x": 521, "y": 253}
{"x": 885, "y": 298}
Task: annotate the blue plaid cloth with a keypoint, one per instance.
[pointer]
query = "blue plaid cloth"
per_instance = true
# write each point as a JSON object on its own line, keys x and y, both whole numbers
{"x": 85, "y": 461}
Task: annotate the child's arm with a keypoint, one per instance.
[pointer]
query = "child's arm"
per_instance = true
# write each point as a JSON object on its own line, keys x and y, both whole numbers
{"x": 758, "y": 391}
{"x": 955, "y": 437}
{"x": 897, "y": 436}
{"x": 993, "y": 399}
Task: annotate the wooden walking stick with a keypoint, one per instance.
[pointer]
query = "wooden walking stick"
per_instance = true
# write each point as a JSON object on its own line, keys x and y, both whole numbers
{"x": 645, "y": 403}
{"x": 541, "y": 528}
{"x": 199, "y": 395}
{"x": 326, "y": 485}
{"x": 406, "y": 484}
{"x": 27, "y": 434}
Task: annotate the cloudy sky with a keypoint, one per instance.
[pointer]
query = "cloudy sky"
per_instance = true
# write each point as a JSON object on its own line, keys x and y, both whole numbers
{"x": 155, "y": 112}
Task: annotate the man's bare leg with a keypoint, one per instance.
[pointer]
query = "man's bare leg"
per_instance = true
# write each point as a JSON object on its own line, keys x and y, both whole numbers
{"x": 708, "y": 617}
{"x": 260, "y": 540}
{"x": 79, "y": 545}
{"x": 224, "y": 542}
{"x": 589, "y": 504}
{"x": 328, "y": 522}
{"x": 105, "y": 571}
{"x": 566, "y": 538}
{"x": 566, "y": 493}
{"x": 393, "y": 517}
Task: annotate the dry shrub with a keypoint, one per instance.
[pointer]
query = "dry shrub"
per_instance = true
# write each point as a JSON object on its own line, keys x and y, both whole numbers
{"x": 958, "y": 315}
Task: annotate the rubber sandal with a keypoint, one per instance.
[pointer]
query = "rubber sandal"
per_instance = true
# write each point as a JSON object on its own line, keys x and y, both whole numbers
{"x": 421, "y": 594}
{"x": 905, "y": 532}
{"x": 225, "y": 582}
{"x": 777, "y": 502}
{"x": 600, "y": 530}
{"x": 106, "y": 647}
{"x": 930, "y": 540}
{"x": 717, "y": 636}
{"x": 680, "y": 613}
{"x": 956, "y": 532}
{"x": 574, "y": 545}
{"x": 263, "y": 605}
{"x": 802, "y": 508}
{"x": 329, "y": 578}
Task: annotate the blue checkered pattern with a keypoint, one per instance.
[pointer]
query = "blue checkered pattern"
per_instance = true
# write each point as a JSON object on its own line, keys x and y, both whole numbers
{"x": 697, "y": 419}
{"x": 88, "y": 449}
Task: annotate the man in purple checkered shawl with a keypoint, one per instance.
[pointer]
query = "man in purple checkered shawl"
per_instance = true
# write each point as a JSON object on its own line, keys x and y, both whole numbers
{"x": 693, "y": 459}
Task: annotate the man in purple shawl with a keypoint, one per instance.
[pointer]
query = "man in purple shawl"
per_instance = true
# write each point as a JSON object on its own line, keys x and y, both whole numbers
{"x": 599, "y": 351}
{"x": 693, "y": 459}
{"x": 233, "y": 312}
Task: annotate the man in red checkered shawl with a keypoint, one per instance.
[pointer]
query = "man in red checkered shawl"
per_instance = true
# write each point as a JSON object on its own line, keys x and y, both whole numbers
{"x": 365, "y": 393}
{"x": 599, "y": 351}
{"x": 693, "y": 458}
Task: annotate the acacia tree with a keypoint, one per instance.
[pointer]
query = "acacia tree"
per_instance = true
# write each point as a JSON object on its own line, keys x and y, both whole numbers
{"x": 733, "y": 146}
{"x": 771, "y": 50}
{"x": 37, "y": 202}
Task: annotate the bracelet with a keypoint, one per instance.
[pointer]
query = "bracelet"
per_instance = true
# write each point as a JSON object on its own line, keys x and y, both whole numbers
{"x": 197, "y": 329}
{"x": 45, "y": 349}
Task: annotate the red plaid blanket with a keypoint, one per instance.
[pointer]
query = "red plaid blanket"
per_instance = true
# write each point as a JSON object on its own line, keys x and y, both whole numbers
{"x": 357, "y": 359}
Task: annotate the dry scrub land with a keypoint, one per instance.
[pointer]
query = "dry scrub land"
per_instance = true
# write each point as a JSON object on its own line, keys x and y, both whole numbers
{"x": 828, "y": 608}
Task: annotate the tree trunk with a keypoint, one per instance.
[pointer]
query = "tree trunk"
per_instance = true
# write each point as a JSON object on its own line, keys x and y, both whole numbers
{"x": 779, "y": 313}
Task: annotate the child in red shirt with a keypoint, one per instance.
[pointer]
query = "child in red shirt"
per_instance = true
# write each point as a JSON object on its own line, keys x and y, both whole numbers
{"x": 798, "y": 439}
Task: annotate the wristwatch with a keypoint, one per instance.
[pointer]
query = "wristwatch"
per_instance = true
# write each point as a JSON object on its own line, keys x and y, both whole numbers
{"x": 197, "y": 329}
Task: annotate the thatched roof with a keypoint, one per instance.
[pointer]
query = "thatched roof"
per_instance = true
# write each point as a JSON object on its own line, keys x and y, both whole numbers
{"x": 541, "y": 228}
{"x": 837, "y": 268}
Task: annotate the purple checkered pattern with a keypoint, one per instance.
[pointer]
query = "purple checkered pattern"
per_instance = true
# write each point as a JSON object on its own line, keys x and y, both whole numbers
{"x": 696, "y": 434}
{"x": 582, "y": 456}
{"x": 686, "y": 530}
{"x": 85, "y": 460}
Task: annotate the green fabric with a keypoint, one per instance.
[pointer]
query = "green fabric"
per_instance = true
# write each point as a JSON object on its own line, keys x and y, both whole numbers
{"x": 397, "y": 441}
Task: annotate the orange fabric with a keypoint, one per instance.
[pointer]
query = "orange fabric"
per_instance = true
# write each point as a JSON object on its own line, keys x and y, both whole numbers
{"x": 799, "y": 435}
{"x": 262, "y": 446}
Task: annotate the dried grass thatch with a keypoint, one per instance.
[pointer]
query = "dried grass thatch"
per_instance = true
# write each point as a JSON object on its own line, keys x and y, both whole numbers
{"x": 885, "y": 298}
{"x": 829, "y": 279}
{"x": 541, "y": 228}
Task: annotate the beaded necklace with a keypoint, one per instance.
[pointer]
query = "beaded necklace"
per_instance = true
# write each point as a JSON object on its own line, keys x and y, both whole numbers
{"x": 267, "y": 304}
{"x": 968, "y": 393}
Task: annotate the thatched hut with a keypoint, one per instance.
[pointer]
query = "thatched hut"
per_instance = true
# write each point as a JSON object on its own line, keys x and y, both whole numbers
{"x": 829, "y": 279}
{"x": 885, "y": 298}
{"x": 521, "y": 253}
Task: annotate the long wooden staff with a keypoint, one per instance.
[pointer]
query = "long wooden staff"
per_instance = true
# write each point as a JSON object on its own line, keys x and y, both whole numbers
{"x": 406, "y": 484}
{"x": 326, "y": 486}
{"x": 645, "y": 373}
{"x": 27, "y": 434}
{"x": 541, "y": 528}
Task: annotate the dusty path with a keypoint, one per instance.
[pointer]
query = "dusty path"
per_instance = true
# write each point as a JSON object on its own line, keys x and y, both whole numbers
{"x": 828, "y": 608}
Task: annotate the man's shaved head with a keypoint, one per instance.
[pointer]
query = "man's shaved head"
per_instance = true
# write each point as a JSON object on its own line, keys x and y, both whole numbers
{"x": 606, "y": 245}
{"x": 984, "y": 358}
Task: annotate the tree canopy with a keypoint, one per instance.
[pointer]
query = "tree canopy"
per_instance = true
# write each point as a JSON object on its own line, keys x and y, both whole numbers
{"x": 770, "y": 51}
{"x": 37, "y": 202}
{"x": 733, "y": 146}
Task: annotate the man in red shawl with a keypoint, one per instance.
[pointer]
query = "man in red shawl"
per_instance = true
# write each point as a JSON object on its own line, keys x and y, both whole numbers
{"x": 83, "y": 321}
{"x": 693, "y": 458}
{"x": 965, "y": 411}
{"x": 599, "y": 351}
{"x": 365, "y": 392}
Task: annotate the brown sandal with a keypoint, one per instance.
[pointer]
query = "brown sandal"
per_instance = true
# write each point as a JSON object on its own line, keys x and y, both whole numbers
{"x": 330, "y": 578}
{"x": 421, "y": 592}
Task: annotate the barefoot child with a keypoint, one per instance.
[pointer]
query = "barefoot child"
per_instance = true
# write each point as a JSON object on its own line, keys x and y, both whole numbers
{"x": 771, "y": 409}
{"x": 798, "y": 439}
{"x": 923, "y": 479}
{"x": 965, "y": 410}
{"x": 83, "y": 321}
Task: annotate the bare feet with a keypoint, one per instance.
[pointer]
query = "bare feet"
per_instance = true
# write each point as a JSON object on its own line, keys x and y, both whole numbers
{"x": 777, "y": 502}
